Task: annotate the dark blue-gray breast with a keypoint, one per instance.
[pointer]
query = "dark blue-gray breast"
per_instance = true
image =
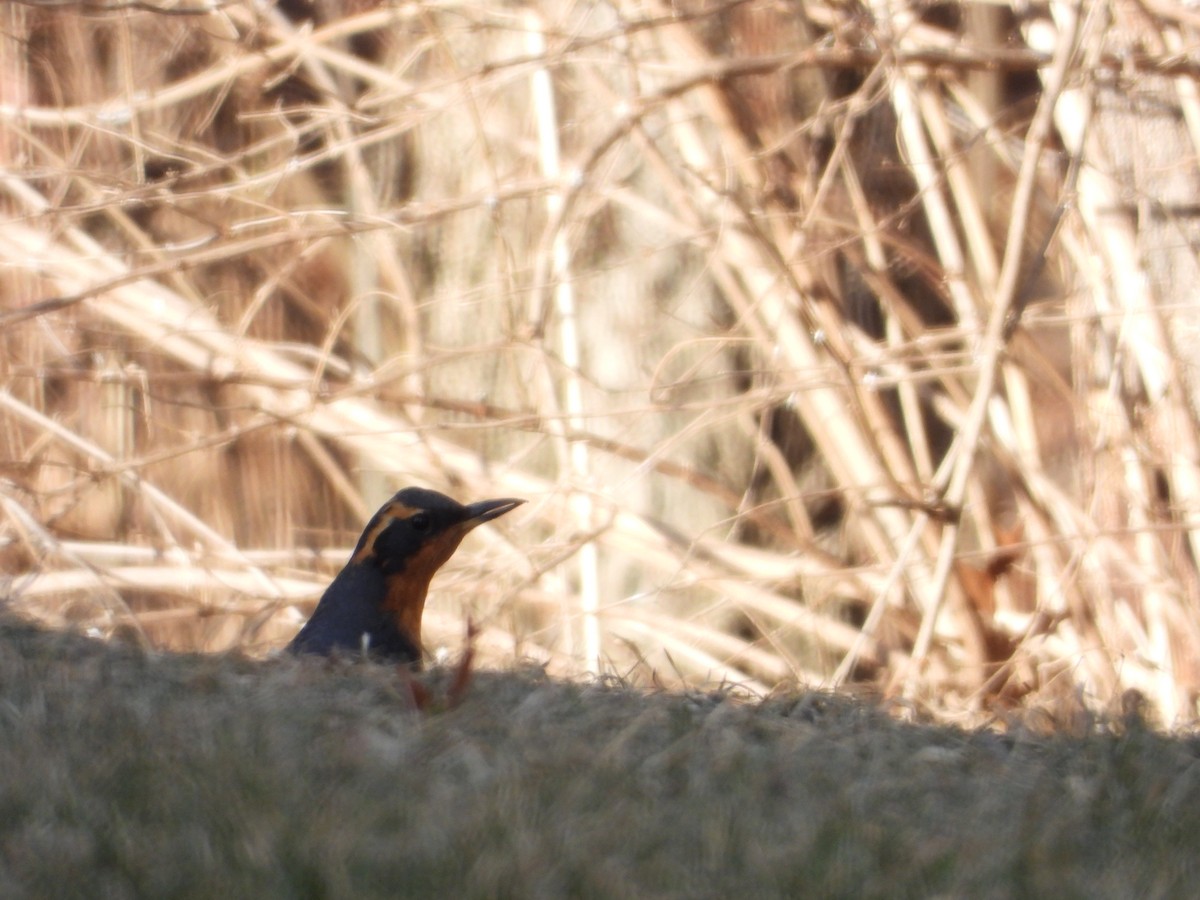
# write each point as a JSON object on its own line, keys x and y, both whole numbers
{"x": 350, "y": 608}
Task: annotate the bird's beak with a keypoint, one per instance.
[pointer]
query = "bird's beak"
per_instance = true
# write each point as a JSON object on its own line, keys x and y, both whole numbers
{"x": 486, "y": 510}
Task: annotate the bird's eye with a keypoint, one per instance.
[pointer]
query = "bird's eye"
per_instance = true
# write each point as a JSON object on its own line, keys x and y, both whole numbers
{"x": 421, "y": 523}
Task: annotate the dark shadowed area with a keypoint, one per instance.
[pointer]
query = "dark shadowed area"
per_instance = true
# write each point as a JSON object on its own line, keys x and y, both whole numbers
{"x": 127, "y": 774}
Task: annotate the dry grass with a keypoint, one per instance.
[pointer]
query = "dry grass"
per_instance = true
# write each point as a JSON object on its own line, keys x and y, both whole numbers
{"x": 829, "y": 346}
{"x": 204, "y": 775}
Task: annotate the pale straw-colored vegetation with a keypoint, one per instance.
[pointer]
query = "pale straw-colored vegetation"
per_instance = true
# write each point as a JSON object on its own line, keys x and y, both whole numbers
{"x": 830, "y": 343}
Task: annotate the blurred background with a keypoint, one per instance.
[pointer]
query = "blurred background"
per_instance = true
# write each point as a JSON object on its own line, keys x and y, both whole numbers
{"x": 831, "y": 343}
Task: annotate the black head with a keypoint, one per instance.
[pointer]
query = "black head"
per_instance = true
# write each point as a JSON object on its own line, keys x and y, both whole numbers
{"x": 409, "y": 539}
{"x": 422, "y": 526}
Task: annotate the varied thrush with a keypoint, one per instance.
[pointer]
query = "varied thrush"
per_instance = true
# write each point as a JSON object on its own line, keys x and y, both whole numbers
{"x": 375, "y": 603}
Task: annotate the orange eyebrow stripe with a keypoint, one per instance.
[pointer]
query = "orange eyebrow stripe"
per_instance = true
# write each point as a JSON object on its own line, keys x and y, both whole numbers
{"x": 399, "y": 511}
{"x": 392, "y": 512}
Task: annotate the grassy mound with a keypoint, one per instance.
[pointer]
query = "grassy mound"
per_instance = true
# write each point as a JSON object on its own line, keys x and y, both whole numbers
{"x": 124, "y": 774}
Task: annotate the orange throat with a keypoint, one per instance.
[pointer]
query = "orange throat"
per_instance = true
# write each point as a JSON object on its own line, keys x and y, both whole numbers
{"x": 405, "y": 603}
{"x": 406, "y": 590}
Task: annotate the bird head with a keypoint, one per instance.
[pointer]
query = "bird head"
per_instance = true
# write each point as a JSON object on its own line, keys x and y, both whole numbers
{"x": 410, "y": 538}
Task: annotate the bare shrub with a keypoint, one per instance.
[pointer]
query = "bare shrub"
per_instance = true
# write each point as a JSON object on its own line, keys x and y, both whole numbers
{"x": 830, "y": 343}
